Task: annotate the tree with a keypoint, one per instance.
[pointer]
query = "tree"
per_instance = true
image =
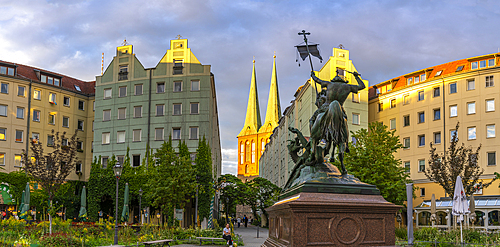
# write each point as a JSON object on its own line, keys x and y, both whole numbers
{"x": 172, "y": 178}
{"x": 261, "y": 194}
{"x": 205, "y": 178}
{"x": 371, "y": 159}
{"x": 51, "y": 169}
{"x": 232, "y": 193}
{"x": 459, "y": 160}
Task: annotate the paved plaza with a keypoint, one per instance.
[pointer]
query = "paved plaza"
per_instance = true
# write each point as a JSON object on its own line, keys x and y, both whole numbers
{"x": 248, "y": 234}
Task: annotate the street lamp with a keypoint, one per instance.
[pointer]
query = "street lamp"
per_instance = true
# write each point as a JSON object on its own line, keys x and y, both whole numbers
{"x": 117, "y": 170}
{"x": 140, "y": 201}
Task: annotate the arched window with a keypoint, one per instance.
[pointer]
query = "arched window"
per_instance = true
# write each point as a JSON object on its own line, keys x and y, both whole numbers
{"x": 262, "y": 146}
{"x": 247, "y": 151}
{"x": 242, "y": 153}
{"x": 253, "y": 151}
{"x": 246, "y": 169}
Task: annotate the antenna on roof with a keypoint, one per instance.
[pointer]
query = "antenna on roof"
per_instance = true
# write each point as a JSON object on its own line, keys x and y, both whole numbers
{"x": 102, "y": 63}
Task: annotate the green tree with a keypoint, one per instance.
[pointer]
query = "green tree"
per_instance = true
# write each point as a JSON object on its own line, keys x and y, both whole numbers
{"x": 261, "y": 194}
{"x": 203, "y": 164}
{"x": 459, "y": 160}
{"x": 233, "y": 193}
{"x": 371, "y": 159}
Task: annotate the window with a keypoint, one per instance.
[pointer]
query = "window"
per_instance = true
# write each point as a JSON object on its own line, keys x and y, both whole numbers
{"x": 159, "y": 136}
{"x": 93, "y": 106}
{"x": 3, "y": 133}
{"x": 421, "y": 140}
{"x": 490, "y": 105}
{"x": 406, "y": 120}
{"x": 177, "y": 86}
{"x": 6, "y": 70}
{"x": 121, "y": 159}
{"x": 471, "y": 85}
{"x": 122, "y": 113}
{"x": 393, "y": 103}
{"x": 439, "y": 73}
{"x": 138, "y": 89}
{"x": 453, "y": 88}
{"x": 422, "y": 191}
{"x": 107, "y": 93}
{"x": 421, "y": 165}
{"x": 36, "y": 115}
{"x": 49, "y": 80}
{"x": 65, "y": 122}
{"x": 380, "y": 106}
{"x": 3, "y": 110}
{"x": 4, "y": 88}
{"x": 123, "y": 73}
{"x": 437, "y": 137}
{"x": 122, "y": 91}
{"x": 177, "y": 109}
{"x": 35, "y": 137}
{"x": 52, "y": 118}
{"x": 195, "y": 108}
{"x": 392, "y": 123}
{"x": 355, "y": 118}
{"x": 453, "y": 111}
{"x": 50, "y": 140}
{"x": 420, "y": 95}
{"x": 37, "y": 94}
{"x": 195, "y": 86}
{"x": 473, "y": 65}
{"x": 407, "y": 166}
{"x": 52, "y": 98}
{"x": 176, "y": 133}
{"x": 437, "y": 114}
{"x": 18, "y": 160}
{"x": 78, "y": 88}
{"x": 421, "y": 117}
{"x": 489, "y": 81}
{"x": 492, "y": 158}
{"x": 459, "y": 68}
{"x": 409, "y": 81}
{"x": 79, "y": 146}
{"x": 80, "y": 125}
{"x": 136, "y": 160}
{"x": 355, "y": 97}
{"x": 106, "y": 138}
{"x": 92, "y": 125}
{"x": 106, "y": 115}
{"x": 20, "y": 113}
{"x": 136, "y": 137}
{"x": 193, "y": 133}
{"x": 160, "y": 110}
{"x": 104, "y": 162}
{"x": 406, "y": 142}
{"x": 417, "y": 79}
{"x": 81, "y": 105}
{"x": 490, "y": 131}
{"x": 436, "y": 92}
{"x": 177, "y": 66}
{"x": 160, "y": 87}
{"x": 78, "y": 168}
{"x": 453, "y": 133}
{"x": 137, "y": 111}
{"x": 120, "y": 136}
{"x": 471, "y": 133}
{"x": 19, "y": 135}
{"x": 422, "y": 77}
{"x": 482, "y": 64}
{"x": 471, "y": 108}
{"x": 21, "y": 91}
{"x": 66, "y": 101}
{"x": 2, "y": 159}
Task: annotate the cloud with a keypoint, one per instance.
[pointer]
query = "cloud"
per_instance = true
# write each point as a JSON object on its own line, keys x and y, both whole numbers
{"x": 230, "y": 161}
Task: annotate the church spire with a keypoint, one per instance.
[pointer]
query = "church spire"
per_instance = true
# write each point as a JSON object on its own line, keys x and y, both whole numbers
{"x": 252, "y": 119}
{"x": 273, "y": 112}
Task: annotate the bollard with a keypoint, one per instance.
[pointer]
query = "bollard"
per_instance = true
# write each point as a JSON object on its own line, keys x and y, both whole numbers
{"x": 257, "y": 231}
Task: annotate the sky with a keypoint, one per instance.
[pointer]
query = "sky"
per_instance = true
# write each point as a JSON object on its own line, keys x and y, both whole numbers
{"x": 386, "y": 39}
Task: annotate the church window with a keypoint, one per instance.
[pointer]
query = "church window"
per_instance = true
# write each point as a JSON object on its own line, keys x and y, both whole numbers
{"x": 253, "y": 151}
{"x": 242, "y": 153}
{"x": 247, "y": 151}
{"x": 246, "y": 169}
{"x": 263, "y": 146}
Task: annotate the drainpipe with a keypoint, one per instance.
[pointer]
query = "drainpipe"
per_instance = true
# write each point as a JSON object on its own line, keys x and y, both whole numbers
{"x": 444, "y": 121}
{"x": 28, "y": 120}
{"x": 149, "y": 118}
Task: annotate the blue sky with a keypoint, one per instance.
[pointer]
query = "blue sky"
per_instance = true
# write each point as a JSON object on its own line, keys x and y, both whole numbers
{"x": 385, "y": 39}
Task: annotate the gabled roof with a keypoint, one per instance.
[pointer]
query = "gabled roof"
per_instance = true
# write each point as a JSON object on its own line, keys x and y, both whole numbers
{"x": 27, "y": 72}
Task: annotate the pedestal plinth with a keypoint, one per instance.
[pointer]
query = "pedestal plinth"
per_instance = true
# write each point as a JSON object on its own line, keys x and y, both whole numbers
{"x": 327, "y": 218}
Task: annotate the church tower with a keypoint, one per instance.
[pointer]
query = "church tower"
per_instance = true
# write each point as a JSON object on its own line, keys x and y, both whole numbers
{"x": 254, "y": 136}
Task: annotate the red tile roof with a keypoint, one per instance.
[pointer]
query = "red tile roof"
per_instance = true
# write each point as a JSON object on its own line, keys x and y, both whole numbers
{"x": 68, "y": 83}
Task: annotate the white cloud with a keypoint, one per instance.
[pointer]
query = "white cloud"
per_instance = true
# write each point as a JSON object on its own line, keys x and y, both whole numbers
{"x": 230, "y": 161}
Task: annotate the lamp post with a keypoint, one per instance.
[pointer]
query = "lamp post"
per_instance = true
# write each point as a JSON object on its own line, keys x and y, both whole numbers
{"x": 140, "y": 201}
{"x": 117, "y": 170}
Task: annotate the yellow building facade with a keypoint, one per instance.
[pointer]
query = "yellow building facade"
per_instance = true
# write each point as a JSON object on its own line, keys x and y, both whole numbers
{"x": 424, "y": 106}
{"x": 254, "y": 136}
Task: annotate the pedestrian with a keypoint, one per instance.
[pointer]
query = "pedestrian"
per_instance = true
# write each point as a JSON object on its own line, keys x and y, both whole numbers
{"x": 245, "y": 220}
{"x": 239, "y": 221}
{"x": 227, "y": 235}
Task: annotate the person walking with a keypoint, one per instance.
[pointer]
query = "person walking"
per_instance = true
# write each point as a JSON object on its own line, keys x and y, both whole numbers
{"x": 245, "y": 220}
{"x": 239, "y": 221}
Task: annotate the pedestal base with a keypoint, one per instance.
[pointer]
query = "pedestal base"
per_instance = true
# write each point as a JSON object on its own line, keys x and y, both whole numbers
{"x": 331, "y": 219}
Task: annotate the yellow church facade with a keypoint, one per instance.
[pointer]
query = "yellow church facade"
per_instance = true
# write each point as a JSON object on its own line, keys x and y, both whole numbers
{"x": 254, "y": 136}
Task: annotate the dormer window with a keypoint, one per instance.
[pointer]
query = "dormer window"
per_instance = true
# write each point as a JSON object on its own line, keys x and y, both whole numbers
{"x": 4, "y": 70}
{"x": 482, "y": 64}
{"x": 77, "y": 88}
{"x": 123, "y": 74}
{"x": 50, "y": 80}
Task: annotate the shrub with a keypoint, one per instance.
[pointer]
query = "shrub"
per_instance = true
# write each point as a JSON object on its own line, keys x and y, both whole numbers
{"x": 59, "y": 240}
{"x": 426, "y": 234}
{"x": 401, "y": 233}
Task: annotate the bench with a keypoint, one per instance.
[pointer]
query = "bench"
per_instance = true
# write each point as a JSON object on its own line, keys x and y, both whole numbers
{"x": 162, "y": 242}
{"x": 208, "y": 238}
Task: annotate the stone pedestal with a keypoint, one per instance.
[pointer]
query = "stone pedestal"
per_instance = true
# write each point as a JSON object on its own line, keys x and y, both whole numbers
{"x": 332, "y": 215}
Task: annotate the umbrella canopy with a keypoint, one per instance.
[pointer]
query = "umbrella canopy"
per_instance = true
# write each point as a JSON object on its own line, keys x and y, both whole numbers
{"x": 433, "y": 208}
{"x": 125, "y": 204}
{"x": 21, "y": 203}
{"x": 83, "y": 203}
{"x": 472, "y": 207}
{"x": 26, "y": 202}
{"x": 460, "y": 206}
